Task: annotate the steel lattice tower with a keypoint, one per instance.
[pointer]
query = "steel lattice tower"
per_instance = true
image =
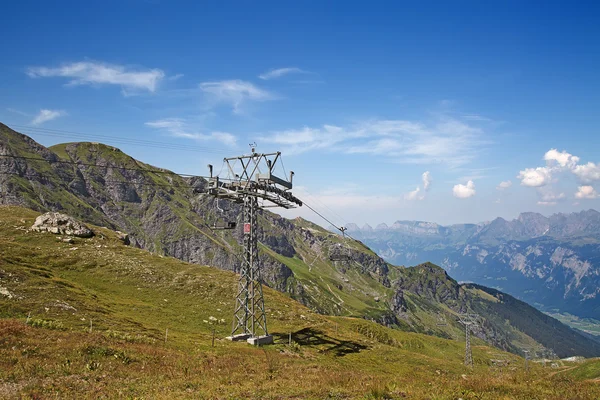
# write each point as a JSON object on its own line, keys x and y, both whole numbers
{"x": 251, "y": 180}
{"x": 468, "y": 320}
{"x": 468, "y": 354}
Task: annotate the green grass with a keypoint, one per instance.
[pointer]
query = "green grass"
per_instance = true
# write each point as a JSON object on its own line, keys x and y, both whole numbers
{"x": 132, "y": 297}
{"x": 589, "y": 369}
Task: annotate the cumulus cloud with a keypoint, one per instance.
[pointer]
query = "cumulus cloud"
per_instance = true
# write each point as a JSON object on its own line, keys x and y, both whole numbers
{"x": 504, "y": 185}
{"x": 586, "y": 192}
{"x": 279, "y": 72}
{"x": 99, "y": 73}
{"x": 535, "y": 177}
{"x": 464, "y": 191}
{"x": 178, "y": 127}
{"x": 417, "y": 194}
{"x": 587, "y": 172}
{"x": 414, "y": 195}
{"x": 562, "y": 158}
{"x": 557, "y": 163}
{"x": 426, "y": 180}
{"x": 47, "y": 115}
{"x": 546, "y": 203}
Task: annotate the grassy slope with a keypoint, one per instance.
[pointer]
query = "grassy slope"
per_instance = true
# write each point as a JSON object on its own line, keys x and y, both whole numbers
{"x": 547, "y": 330}
{"x": 132, "y": 297}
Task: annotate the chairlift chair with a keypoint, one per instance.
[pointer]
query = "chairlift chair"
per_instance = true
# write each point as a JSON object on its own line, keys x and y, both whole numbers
{"x": 223, "y": 225}
{"x": 339, "y": 254}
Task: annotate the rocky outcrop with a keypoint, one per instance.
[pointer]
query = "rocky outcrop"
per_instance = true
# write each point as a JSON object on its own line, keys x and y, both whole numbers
{"x": 430, "y": 282}
{"x": 62, "y": 224}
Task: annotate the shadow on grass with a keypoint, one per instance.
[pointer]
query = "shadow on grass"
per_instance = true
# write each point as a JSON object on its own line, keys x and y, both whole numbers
{"x": 317, "y": 339}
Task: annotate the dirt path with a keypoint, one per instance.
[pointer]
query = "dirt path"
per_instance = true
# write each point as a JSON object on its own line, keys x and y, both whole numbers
{"x": 561, "y": 370}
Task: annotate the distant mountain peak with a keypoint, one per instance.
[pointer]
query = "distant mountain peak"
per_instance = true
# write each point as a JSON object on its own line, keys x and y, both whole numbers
{"x": 352, "y": 227}
{"x": 529, "y": 215}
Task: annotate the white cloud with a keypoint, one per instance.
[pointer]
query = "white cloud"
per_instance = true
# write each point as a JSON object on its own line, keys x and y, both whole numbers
{"x": 546, "y": 203}
{"x": 548, "y": 196}
{"x": 447, "y": 141}
{"x": 417, "y": 194}
{"x": 464, "y": 191}
{"x": 305, "y": 139}
{"x": 535, "y": 177}
{"x": 586, "y": 192}
{"x": 556, "y": 163}
{"x": 476, "y": 117}
{"x": 563, "y": 158}
{"x": 504, "y": 185}
{"x": 179, "y": 128}
{"x": 167, "y": 123}
{"x": 414, "y": 195}
{"x": 47, "y": 115}
{"x": 426, "y": 180}
{"x": 175, "y": 77}
{"x": 279, "y": 72}
{"x": 587, "y": 172}
{"x": 98, "y": 73}
{"x": 235, "y": 92}
{"x": 18, "y": 112}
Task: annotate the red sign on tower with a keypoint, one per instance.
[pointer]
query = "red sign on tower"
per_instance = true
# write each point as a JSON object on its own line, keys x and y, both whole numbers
{"x": 247, "y": 228}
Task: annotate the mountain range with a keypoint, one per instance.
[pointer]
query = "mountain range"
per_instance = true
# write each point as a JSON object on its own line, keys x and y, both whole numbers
{"x": 551, "y": 262}
{"x": 172, "y": 216}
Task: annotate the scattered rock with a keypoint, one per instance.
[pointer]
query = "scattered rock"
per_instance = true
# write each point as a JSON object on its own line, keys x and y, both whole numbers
{"x": 4, "y": 291}
{"x": 68, "y": 240}
{"x": 123, "y": 237}
{"x": 574, "y": 359}
{"x": 64, "y": 305}
{"x": 58, "y": 223}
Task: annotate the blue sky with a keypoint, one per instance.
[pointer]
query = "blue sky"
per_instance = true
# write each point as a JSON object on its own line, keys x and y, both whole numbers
{"x": 362, "y": 98}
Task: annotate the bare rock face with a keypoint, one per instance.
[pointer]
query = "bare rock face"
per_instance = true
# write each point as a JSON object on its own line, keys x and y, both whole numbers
{"x": 62, "y": 224}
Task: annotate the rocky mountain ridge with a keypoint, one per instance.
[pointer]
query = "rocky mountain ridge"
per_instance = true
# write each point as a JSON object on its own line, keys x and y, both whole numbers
{"x": 527, "y": 225}
{"x": 552, "y": 262}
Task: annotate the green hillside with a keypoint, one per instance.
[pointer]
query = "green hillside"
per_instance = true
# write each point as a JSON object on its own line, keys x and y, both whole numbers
{"x": 52, "y": 291}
